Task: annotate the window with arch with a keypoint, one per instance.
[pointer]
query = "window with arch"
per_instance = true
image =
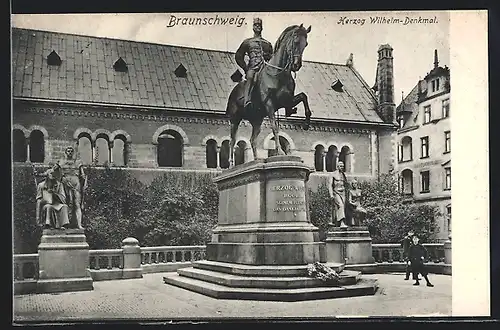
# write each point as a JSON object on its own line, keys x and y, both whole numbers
{"x": 224, "y": 154}
{"x": 285, "y": 145}
{"x": 37, "y": 146}
{"x": 345, "y": 156}
{"x": 331, "y": 158}
{"x": 119, "y": 152}
{"x": 102, "y": 150}
{"x": 239, "y": 153}
{"x": 406, "y": 149}
{"x": 407, "y": 182}
{"x": 85, "y": 148}
{"x": 170, "y": 146}
{"x": 19, "y": 146}
{"x": 211, "y": 153}
{"x": 318, "y": 157}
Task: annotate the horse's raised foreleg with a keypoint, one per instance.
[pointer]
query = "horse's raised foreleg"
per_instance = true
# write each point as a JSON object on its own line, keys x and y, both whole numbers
{"x": 302, "y": 97}
{"x": 234, "y": 128}
{"x": 256, "y": 125}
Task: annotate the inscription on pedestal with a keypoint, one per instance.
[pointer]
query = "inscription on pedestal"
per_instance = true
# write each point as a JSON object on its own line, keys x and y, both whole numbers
{"x": 287, "y": 201}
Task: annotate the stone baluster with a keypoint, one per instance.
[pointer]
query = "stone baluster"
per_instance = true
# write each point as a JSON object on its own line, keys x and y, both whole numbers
{"x": 157, "y": 257}
{"x": 97, "y": 266}
{"x": 389, "y": 258}
{"x": 173, "y": 256}
{"x": 110, "y": 262}
{"x": 183, "y": 256}
{"x": 131, "y": 258}
{"x": 20, "y": 269}
{"x": 149, "y": 257}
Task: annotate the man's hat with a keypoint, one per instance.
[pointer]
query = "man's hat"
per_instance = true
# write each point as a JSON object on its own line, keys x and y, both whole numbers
{"x": 257, "y": 20}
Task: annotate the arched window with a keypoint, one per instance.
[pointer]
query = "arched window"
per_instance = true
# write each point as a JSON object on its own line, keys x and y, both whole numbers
{"x": 211, "y": 153}
{"x": 318, "y": 157}
{"x": 37, "y": 147}
{"x": 170, "y": 149}
{"x": 119, "y": 151}
{"x": 345, "y": 156}
{"x": 239, "y": 152}
{"x": 331, "y": 159}
{"x": 285, "y": 145}
{"x": 224, "y": 154}
{"x": 19, "y": 147}
{"x": 407, "y": 182}
{"x": 406, "y": 149}
{"x": 102, "y": 150}
{"x": 85, "y": 149}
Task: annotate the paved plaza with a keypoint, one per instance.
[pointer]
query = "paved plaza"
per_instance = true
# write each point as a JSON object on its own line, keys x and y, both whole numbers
{"x": 149, "y": 298}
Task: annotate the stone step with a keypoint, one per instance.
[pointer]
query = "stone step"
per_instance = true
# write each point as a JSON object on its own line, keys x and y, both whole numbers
{"x": 347, "y": 278}
{"x": 263, "y": 270}
{"x": 362, "y": 288}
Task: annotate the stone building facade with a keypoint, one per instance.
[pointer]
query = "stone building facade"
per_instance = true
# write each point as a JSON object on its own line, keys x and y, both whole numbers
{"x": 424, "y": 144}
{"x": 141, "y": 105}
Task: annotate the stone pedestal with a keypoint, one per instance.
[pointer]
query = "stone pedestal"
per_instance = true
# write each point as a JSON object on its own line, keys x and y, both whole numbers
{"x": 263, "y": 218}
{"x": 264, "y": 240}
{"x": 63, "y": 257}
{"x": 352, "y": 245}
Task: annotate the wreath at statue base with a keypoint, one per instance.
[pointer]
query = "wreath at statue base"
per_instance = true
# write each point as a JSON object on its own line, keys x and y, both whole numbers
{"x": 323, "y": 273}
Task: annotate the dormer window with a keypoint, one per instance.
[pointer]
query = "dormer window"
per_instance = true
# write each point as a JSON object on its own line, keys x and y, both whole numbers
{"x": 338, "y": 86}
{"x": 236, "y": 76}
{"x": 181, "y": 71}
{"x": 120, "y": 65}
{"x": 54, "y": 59}
{"x": 435, "y": 85}
{"x": 401, "y": 121}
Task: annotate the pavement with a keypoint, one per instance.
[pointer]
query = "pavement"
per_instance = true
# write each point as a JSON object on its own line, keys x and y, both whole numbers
{"x": 150, "y": 298}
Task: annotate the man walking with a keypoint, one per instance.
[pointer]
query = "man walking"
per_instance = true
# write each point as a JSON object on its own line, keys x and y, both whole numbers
{"x": 418, "y": 254}
{"x": 405, "y": 244}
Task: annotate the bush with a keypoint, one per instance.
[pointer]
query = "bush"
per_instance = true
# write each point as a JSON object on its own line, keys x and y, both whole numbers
{"x": 320, "y": 210}
{"x": 26, "y": 232}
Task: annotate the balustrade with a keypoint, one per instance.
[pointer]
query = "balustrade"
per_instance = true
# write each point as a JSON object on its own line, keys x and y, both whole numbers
{"x": 393, "y": 252}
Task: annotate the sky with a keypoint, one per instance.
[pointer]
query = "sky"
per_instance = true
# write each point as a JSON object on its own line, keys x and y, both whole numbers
{"x": 333, "y": 36}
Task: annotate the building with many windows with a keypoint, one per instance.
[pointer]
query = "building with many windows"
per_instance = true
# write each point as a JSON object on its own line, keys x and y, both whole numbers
{"x": 159, "y": 107}
{"x": 424, "y": 144}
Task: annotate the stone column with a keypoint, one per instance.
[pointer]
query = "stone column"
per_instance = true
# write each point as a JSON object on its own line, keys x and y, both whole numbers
{"x": 323, "y": 159}
{"x": 110, "y": 150}
{"x": 28, "y": 157}
{"x": 131, "y": 258}
{"x": 218, "y": 157}
{"x": 63, "y": 257}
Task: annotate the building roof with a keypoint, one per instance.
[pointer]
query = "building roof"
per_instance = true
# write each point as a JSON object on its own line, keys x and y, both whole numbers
{"x": 87, "y": 73}
{"x": 409, "y": 105}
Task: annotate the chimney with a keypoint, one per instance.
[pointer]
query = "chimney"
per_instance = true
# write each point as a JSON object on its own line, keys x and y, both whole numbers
{"x": 385, "y": 84}
{"x": 436, "y": 62}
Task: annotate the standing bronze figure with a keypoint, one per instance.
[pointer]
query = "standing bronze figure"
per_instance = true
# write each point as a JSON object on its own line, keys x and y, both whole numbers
{"x": 273, "y": 86}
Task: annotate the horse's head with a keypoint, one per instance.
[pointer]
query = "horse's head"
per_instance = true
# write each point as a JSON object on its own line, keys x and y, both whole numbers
{"x": 299, "y": 43}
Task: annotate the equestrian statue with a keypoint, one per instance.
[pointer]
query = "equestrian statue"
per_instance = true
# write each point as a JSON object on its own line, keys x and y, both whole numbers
{"x": 269, "y": 85}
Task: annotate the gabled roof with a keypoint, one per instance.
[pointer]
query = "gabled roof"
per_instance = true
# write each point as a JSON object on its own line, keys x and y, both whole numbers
{"x": 86, "y": 74}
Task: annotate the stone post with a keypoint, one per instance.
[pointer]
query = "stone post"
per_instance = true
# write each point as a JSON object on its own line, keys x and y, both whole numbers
{"x": 447, "y": 251}
{"x": 131, "y": 258}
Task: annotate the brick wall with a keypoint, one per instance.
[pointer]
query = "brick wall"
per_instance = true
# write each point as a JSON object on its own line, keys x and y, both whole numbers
{"x": 62, "y": 123}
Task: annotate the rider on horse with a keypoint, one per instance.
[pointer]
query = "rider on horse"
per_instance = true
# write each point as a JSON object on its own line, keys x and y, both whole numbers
{"x": 258, "y": 50}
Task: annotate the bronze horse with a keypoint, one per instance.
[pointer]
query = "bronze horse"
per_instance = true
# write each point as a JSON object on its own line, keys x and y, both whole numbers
{"x": 273, "y": 90}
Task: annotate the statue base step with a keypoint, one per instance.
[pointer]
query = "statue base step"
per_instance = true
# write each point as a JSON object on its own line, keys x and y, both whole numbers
{"x": 350, "y": 245}
{"x": 267, "y": 283}
{"x": 63, "y": 257}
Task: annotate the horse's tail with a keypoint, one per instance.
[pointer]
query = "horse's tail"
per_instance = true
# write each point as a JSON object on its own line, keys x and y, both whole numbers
{"x": 232, "y": 101}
